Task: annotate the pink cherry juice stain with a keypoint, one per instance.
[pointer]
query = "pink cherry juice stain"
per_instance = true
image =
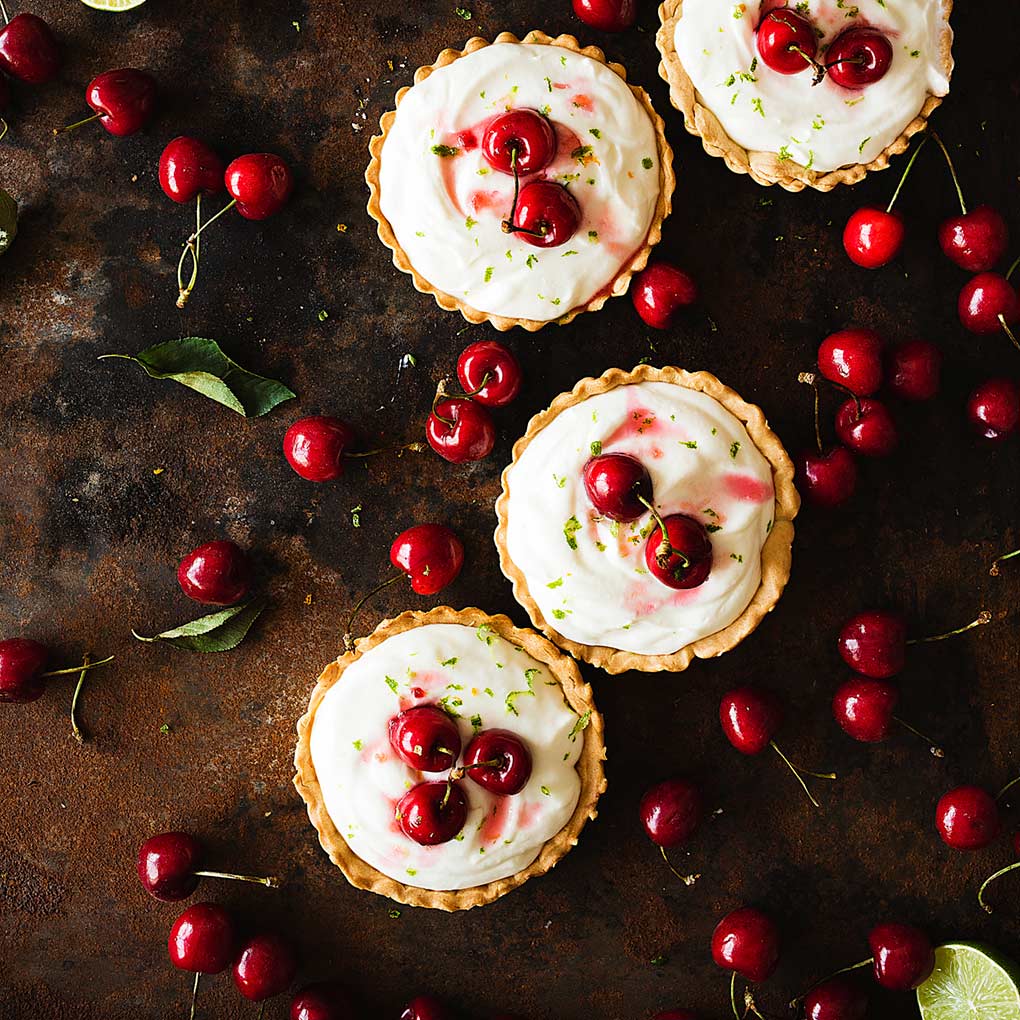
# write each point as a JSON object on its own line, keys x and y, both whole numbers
{"x": 377, "y": 752}
{"x": 747, "y": 488}
{"x": 490, "y": 201}
{"x": 583, "y": 102}
{"x": 528, "y": 816}
{"x": 496, "y": 820}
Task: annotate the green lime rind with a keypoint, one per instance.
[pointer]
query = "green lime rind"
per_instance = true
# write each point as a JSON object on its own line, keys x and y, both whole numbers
{"x": 970, "y": 982}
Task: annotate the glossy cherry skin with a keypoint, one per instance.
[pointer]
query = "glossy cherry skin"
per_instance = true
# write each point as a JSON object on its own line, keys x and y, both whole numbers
{"x": 431, "y": 556}
{"x": 858, "y": 58}
{"x": 914, "y": 370}
{"x": 188, "y": 168}
{"x": 873, "y": 237}
{"x": 425, "y": 738}
{"x": 513, "y": 770}
{"x": 22, "y": 661}
{"x": 315, "y": 447}
{"x": 746, "y": 941}
{"x": 426, "y": 1007}
{"x": 167, "y": 864}
{"x": 424, "y": 817}
{"x": 202, "y": 939}
{"x": 489, "y": 358}
{"x": 615, "y": 484}
{"x": 750, "y": 717}
{"x": 548, "y": 212}
{"x": 874, "y": 643}
{"x": 786, "y": 41}
{"x": 904, "y": 957}
{"x": 828, "y": 479}
{"x": 967, "y": 818}
{"x": 324, "y": 1000}
{"x": 983, "y": 299}
{"x": 28, "y": 50}
{"x": 125, "y": 100}
{"x": 265, "y": 967}
{"x": 839, "y": 998}
{"x": 975, "y": 240}
{"x": 852, "y": 358}
{"x": 659, "y": 291}
{"x": 521, "y": 138}
{"x": 994, "y": 408}
{"x": 689, "y": 561}
{"x": 870, "y": 431}
{"x": 607, "y": 15}
{"x": 864, "y": 708}
{"x": 260, "y": 183}
{"x": 670, "y": 812}
{"x": 216, "y": 574}
{"x": 471, "y": 436}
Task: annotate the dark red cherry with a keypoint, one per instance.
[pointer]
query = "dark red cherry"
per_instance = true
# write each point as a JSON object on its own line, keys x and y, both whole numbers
{"x": 265, "y": 967}
{"x": 676, "y": 1014}
{"x": 659, "y": 291}
{"x": 28, "y": 50}
{"x": 914, "y": 370}
{"x": 903, "y": 956}
{"x": 489, "y": 373}
{"x": 125, "y": 99}
{"x": 746, "y": 941}
{"x": 858, "y": 58}
{"x": 432, "y": 813}
{"x": 460, "y": 430}
{"x": 994, "y": 408}
{"x": 607, "y": 15}
{"x": 188, "y": 168}
{"x": 22, "y": 661}
{"x": 967, "y": 818}
{"x": 426, "y": 1007}
{"x": 874, "y": 643}
{"x": 685, "y": 560}
{"x": 670, "y": 811}
{"x": 868, "y": 429}
{"x": 498, "y": 761}
{"x": 839, "y": 998}
{"x": 975, "y": 240}
{"x": 431, "y": 556}
{"x": 202, "y": 939}
{"x": 425, "y": 738}
{"x": 852, "y": 358}
{"x": 520, "y": 138}
{"x": 260, "y": 183}
{"x": 828, "y": 478}
{"x": 315, "y": 447}
{"x": 873, "y": 237}
{"x": 547, "y": 214}
{"x": 216, "y": 574}
{"x": 167, "y": 864}
{"x": 986, "y": 302}
{"x": 616, "y": 484}
{"x": 786, "y": 41}
{"x": 864, "y": 708}
{"x": 750, "y": 717}
{"x": 324, "y": 1000}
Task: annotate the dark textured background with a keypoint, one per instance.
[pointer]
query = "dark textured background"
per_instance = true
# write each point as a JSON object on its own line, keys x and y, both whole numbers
{"x": 90, "y": 537}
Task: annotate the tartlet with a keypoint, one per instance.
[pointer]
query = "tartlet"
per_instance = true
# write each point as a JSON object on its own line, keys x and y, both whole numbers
{"x": 581, "y": 577}
{"x": 439, "y": 205}
{"x": 350, "y": 783}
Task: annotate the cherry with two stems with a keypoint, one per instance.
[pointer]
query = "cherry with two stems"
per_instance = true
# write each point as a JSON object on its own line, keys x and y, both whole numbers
{"x": 865, "y": 710}
{"x": 202, "y": 941}
{"x": 543, "y": 213}
{"x": 432, "y": 812}
{"x": 265, "y": 967}
{"x": 425, "y": 738}
{"x": 124, "y": 101}
{"x": 786, "y": 41}
{"x": 746, "y": 942}
{"x": 322, "y": 1000}
{"x": 858, "y": 57}
{"x": 319, "y": 446}
{"x": 459, "y": 429}
{"x": 607, "y": 15}
{"x": 670, "y": 813}
{"x": 498, "y": 761}
{"x": 28, "y": 48}
{"x": 489, "y": 373}
{"x": 678, "y": 552}
{"x": 659, "y": 291}
{"x": 993, "y": 409}
{"x": 519, "y": 141}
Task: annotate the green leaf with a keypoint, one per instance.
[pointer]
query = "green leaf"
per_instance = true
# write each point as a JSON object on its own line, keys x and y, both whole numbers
{"x": 202, "y": 366}
{"x": 8, "y": 221}
{"x": 218, "y": 632}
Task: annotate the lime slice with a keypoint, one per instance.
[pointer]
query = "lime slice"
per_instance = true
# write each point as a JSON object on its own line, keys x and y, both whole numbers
{"x": 113, "y": 5}
{"x": 970, "y": 982}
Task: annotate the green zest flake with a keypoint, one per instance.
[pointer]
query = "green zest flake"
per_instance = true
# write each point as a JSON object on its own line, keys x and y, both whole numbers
{"x": 854, "y": 102}
{"x": 489, "y": 691}
{"x": 570, "y": 529}
{"x": 545, "y": 110}
{"x": 737, "y": 557}
{"x": 450, "y": 706}
{"x": 394, "y": 913}
{"x": 455, "y": 687}
{"x": 657, "y": 961}
{"x": 580, "y": 726}
{"x": 818, "y": 123}
{"x": 488, "y": 273}
{"x": 512, "y": 697}
{"x": 462, "y": 12}
{"x": 730, "y": 81}
{"x": 554, "y": 301}
{"x": 560, "y": 480}
{"x": 571, "y": 252}
{"x": 545, "y": 790}
{"x": 560, "y": 614}
{"x": 768, "y": 527}
{"x": 459, "y": 837}
{"x": 595, "y": 132}
{"x": 803, "y": 7}
{"x": 481, "y": 95}
{"x": 581, "y": 153}
{"x": 558, "y": 583}
{"x": 715, "y": 431}
{"x": 165, "y": 729}
{"x": 601, "y": 546}
{"x": 784, "y": 154}
{"x": 476, "y": 722}
{"x": 482, "y": 171}
{"x": 391, "y": 684}
{"x": 647, "y": 162}
{"x": 419, "y": 233}
{"x": 914, "y": 53}
{"x": 509, "y": 255}
{"x": 593, "y": 236}
{"x": 445, "y": 151}
{"x": 485, "y": 633}
{"x": 529, "y": 676}
{"x": 739, "y": 10}
{"x": 860, "y": 148}
{"x": 531, "y": 261}
{"x": 811, "y": 159}
{"x": 734, "y": 449}
{"x": 412, "y": 872}
{"x": 449, "y": 662}
{"x": 690, "y": 444}
{"x": 469, "y": 223}
{"x": 323, "y": 315}
{"x": 356, "y": 516}
{"x": 596, "y": 448}
{"x": 757, "y": 107}
{"x": 713, "y": 528}
{"x": 614, "y": 529}
{"x": 548, "y": 84}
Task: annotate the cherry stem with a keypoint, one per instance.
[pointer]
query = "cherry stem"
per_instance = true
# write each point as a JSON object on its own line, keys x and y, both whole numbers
{"x": 413, "y": 447}
{"x": 983, "y": 617}
{"x": 750, "y": 1006}
{"x": 79, "y": 669}
{"x": 800, "y": 773}
{"x": 193, "y": 248}
{"x": 262, "y": 1009}
{"x": 986, "y": 907}
{"x": 733, "y": 996}
{"x": 952, "y": 172}
{"x": 437, "y": 399}
{"x": 936, "y": 751}
{"x": 194, "y": 994}
{"x": 687, "y": 880}
{"x": 268, "y": 882}
{"x": 76, "y": 124}
{"x": 994, "y": 569}
{"x": 903, "y": 179}
{"x": 508, "y": 225}
{"x": 1008, "y": 331}
{"x": 1009, "y": 786}
{"x": 819, "y": 68}
{"x": 348, "y": 639}
{"x": 458, "y": 773}
{"x": 212, "y": 219}
{"x": 446, "y": 796}
{"x": 665, "y": 549}
{"x": 74, "y": 700}
{"x": 4, "y": 128}
{"x": 3, "y": 11}
{"x": 441, "y": 389}
{"x": 794, "y": 1003}
{"x": 1009, "y": 272}
{"x": 812, "y": 380}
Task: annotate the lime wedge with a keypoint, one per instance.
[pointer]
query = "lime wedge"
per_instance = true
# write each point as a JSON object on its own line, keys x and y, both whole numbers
{"x": 113, "y": 5}
{"x": 970, "y": 982}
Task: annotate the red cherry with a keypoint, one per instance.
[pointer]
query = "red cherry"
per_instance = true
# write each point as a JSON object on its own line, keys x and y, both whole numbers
{"x": 28, "y": 50}
{"x": 868, "y": 430}
{"x": 670, "y": 812}
{"x": 750, "y": 717}
{"x": 425, "y": 738}
{"x": 903, "y": 956}
{"x": 746, "y": 941}
{"x": 426, "y": 1007}
{"x": 431, "y": 556}
{"x": 676, "y": 1014}
{"x": 659, "y": 291}
{"x": 994, "y": 408}
{"x": 216, "y": 574}
{"x": 975, "y": 240}
{"x": 324, "y": 1000}
{"x": 858, "y": 57}
{"x": 202, "y": 939}
{"x": 873, "y": 237}
{"x": 987, "y": 302}
{"x": 315, "y": 447}
{"x": 21, "y": 664}
{"x": 460, "y": 430}
{"x": 260, "y": 183}
{"x": 914, "y": 370}
{"x": 864, "y": 708}
{"x": 124, "y": 99}
{"x": 685, "y": 560}
{"x": 839, "y": 998}
{"x": 547, "y": 214}
{"x": 607, "y": 15}
{"x": 616, "y": 484}
{"x": 874, "y": 643}
{"x": 852, "y": 358}
{"x": 188, "y": 168}
{"x": 967, "y": 818}
{"x": 167, "y": 864}
{"x": 520, "y": 138}
{"x": 498, "y": 761}
{"x": 489, "y": 358}
{"x": 265, "y": 967}
{"x": 432, "y": 813}
{"x": 786, "y": 41}
{"x": 828, "y": 479}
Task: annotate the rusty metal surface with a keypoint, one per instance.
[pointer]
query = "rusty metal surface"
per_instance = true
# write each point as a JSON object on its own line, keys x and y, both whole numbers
{"x": 90, "y": 536}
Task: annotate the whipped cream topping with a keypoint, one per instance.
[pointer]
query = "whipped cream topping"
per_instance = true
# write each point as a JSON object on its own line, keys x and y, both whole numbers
{"x": 446, "y": 204}
{"x": 586, "y": 573}
{"x": 484, "y": 682}
{"x": 821, "y": 127}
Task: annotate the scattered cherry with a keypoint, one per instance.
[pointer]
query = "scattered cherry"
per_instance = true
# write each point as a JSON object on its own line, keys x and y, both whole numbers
{"x": 864, "y": 709}
{"x": 28, "y": 50}
{"x": 259, "y": 184}
{"x": 607, "y": 15}
{"x": 671, "y": 811}
{"x": 22, "y": 661}
{"x": 994, "y": 408}
{"x": 124, "y": 101}
{"x": 489, "y": 373}
{"x": 787, "y": 42}
{"x": 828, "y": 478}
{"x": 202, "y": 941}
{"x": 498, "y": 761}
{"x": 746, "y": 941}
{"x": 659, "y": 291}
{"x": 866, "y": 427}
{"x": 189, "y": 168}
{"x": 903, "y": 956}
{"x": 426, "y": 1007}
{"x": 839, "y": 998}
{"x": 547, "y": 215}
{"x": 618, "y": 486}
{"x": 858, "y": 57}
{"x": 873, "y": 237}
{"x": 678, "y": 552}
{"x": 967, "y": 818}
{"x": 425, "y": 738}
{"x": 216, "y": 574}
{"x": 315, "y": 447}
{"x": 676, "y": 1014}
{"x": 432, "y": 813}
{"x": 429, "y": 555}
{"x": 852, "y": 358}
{"x": 520, "y": 139}
{"x": 460, "y": 430}
{"x": 914, "y": 370}
{"x": 988, "y": 304}
{"x": 265, "y": 967}
{"x": 324, "y": 1000}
